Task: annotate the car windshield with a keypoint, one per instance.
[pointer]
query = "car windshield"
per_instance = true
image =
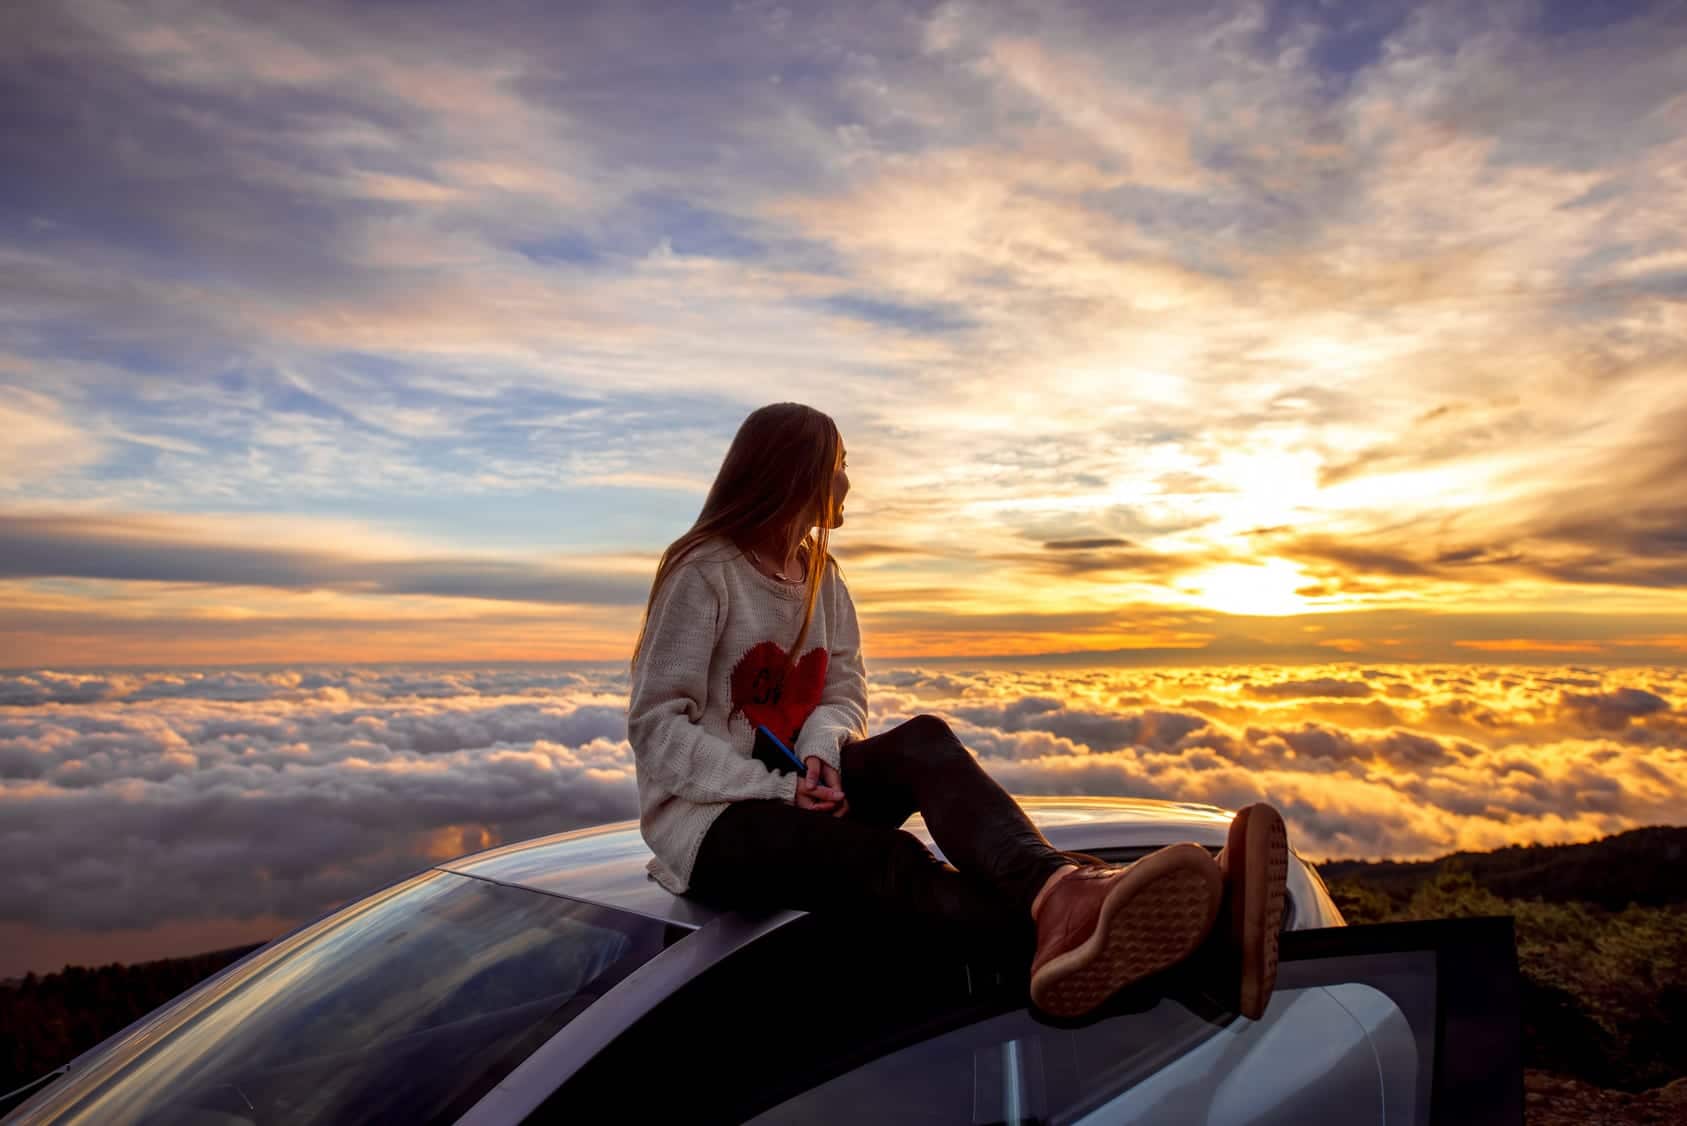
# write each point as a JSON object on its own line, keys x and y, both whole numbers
{"x": 404, "y": 1007}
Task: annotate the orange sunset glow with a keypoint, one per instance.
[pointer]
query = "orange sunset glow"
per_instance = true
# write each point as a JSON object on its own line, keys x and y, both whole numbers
{"x": 1242, "y": 402}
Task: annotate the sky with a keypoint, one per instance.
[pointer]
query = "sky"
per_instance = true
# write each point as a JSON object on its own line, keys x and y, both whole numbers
{"x": 1254, "y": 400}
{"x": 1156, "y": 332}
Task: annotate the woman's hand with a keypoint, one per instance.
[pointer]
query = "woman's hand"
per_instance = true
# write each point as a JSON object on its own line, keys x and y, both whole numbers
{"x": 821, "y": 789}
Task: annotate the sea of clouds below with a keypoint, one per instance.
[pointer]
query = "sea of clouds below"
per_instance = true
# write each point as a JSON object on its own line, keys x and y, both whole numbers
{"x": 140, "y": 799}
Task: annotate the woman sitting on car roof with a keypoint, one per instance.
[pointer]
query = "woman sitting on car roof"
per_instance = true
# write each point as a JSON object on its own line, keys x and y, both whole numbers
{"x": 759, "y": 785}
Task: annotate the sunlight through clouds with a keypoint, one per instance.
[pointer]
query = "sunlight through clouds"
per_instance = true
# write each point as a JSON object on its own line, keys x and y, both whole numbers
{"x": 1269, "y": 296}
{"x": 1264, "y": 401}
{"x": 1268, "y": 588}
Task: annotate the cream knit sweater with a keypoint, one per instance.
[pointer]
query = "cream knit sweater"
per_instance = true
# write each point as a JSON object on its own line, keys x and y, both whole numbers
{"x": 716, "y": 635}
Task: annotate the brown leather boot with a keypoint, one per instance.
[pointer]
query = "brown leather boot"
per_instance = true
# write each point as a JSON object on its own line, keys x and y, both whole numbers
{"x": 1103, "y": 927}
{"x": 1255, "y": 863}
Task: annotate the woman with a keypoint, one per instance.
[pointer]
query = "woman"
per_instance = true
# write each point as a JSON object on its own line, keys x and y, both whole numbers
{"x": 749, "y": 662}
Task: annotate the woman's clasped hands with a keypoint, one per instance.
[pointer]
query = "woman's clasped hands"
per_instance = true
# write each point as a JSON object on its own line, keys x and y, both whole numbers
{"x": 821, "y": 789}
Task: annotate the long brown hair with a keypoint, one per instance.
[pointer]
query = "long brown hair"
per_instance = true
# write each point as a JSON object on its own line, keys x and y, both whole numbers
{"x": 776, "y": 474}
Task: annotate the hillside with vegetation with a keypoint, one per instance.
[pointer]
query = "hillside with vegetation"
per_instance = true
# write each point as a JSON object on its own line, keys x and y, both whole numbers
{"x": 1642, "y": 866}
{"x": 1602, "y": 943}
{"x": 47, "y": 1020}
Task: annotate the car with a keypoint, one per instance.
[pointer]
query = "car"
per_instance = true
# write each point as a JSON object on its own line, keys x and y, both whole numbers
{"x": 553, "y": 980}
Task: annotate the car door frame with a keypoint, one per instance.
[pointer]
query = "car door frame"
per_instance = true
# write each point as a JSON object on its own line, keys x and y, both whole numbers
{"x": 1475, "y": 1073}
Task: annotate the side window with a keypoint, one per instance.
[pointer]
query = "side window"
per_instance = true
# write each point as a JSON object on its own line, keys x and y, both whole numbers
{"x": 1008, "y": 1067}
{"x": 779, "y": 1017}
{"x": 1397, "y": 1023}
{"x": 833, "y": 1024}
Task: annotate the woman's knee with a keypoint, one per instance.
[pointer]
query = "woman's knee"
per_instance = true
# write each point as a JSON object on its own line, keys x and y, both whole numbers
{"x": 929, "y": 730}
{"x": 939, "y": 748}
{"x": 915, "y": 746}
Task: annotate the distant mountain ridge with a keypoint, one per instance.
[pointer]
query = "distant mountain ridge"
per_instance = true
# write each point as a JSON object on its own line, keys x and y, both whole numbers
{"x": 1643, "y": 866}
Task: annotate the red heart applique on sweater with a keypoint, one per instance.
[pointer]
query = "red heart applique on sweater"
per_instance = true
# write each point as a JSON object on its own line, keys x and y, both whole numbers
{"x": 757, "y": 690}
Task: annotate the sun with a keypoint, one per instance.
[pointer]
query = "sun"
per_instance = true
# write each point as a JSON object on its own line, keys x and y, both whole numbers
{"x": 1264, "y": 589}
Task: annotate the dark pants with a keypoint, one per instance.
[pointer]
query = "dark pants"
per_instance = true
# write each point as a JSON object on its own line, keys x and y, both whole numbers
{"x": 773, "y": 854}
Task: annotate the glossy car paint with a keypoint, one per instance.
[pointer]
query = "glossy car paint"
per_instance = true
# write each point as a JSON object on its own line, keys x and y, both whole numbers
{"x": 607, "y": 865}
{"x": 1309, "y": 1058}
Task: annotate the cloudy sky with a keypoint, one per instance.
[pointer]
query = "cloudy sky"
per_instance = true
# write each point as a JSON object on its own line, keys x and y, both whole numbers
{"x": 1256, "y": 399}
{"x": 233, "y": 804}
{"x": 338, "y": 332}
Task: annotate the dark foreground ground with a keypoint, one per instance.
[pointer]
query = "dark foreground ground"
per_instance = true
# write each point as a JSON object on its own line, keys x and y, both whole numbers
{"x": 1602, "y": 938}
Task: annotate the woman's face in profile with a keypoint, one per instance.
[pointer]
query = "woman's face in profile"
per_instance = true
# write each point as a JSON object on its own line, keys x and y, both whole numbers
{"x": 840, "y": 486}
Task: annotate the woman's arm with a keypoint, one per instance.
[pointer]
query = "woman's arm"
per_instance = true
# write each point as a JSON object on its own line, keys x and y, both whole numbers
{"x": 841, "y": 715}
{"x": 669, "y": 692}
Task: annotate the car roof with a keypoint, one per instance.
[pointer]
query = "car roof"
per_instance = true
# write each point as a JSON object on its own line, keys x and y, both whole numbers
{"x": 606, "y": 864}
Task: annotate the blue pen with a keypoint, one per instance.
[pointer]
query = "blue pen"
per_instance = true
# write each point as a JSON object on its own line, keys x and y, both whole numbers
{"x": 802, "y": 771}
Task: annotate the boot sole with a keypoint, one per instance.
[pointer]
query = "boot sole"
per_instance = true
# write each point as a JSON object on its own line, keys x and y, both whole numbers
{"x": 1257, "y": 870}
{"x": 1154, "y": 916}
